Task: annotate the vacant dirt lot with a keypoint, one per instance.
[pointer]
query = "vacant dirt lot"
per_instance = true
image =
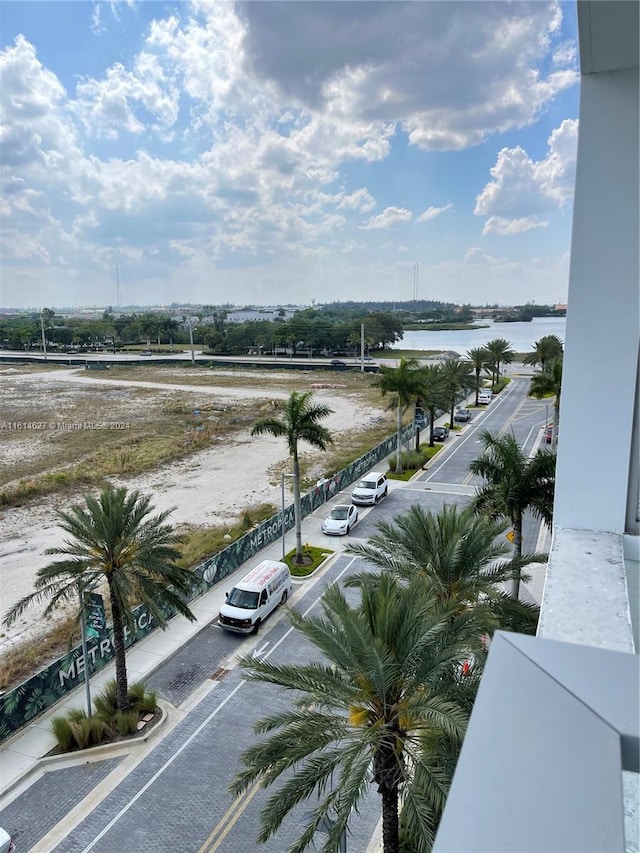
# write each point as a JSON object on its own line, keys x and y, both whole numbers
{"x": 181, "y": 434}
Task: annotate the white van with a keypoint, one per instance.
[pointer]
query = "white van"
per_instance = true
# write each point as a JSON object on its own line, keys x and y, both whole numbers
{"x": 254, "y": 597}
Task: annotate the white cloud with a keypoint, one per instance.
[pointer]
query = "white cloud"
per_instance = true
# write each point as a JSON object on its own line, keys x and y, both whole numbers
{"x": 432, "y": 212}
{"x": 501, "y": 226}
{"x": 522, "y": 188}
{"x": 369, "y": 61}
{"x": 387, "y": 219}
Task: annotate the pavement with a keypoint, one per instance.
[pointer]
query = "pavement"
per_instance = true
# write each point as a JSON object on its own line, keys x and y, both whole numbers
{"x": 23, "y": 758}
{"x": 83, "y": 780}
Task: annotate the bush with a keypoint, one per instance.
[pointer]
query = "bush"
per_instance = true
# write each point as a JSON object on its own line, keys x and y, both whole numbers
{"x": 77, "y": 730}
{"x": 501, "y": 384}
{"x": 410, "y": 460}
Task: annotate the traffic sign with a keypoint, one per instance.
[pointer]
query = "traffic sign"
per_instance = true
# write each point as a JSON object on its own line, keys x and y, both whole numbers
{"x": 510, "y": 536}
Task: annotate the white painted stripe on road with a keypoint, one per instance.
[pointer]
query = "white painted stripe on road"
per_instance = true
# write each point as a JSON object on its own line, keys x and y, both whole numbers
{"x": 510, "y": 388}
{"x": 191, "y": 738}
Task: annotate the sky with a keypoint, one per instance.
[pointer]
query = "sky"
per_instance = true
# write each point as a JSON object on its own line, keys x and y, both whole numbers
{"x": 294, "y": 152}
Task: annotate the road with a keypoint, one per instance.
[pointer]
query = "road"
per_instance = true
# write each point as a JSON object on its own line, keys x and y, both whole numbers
{"x": 176, "y": 796}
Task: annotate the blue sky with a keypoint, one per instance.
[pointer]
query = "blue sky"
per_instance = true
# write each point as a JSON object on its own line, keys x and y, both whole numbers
{"x": 269, "y": 152}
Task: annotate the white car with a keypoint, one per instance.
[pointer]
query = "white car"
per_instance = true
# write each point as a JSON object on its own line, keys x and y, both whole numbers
{"x": 370, "y": 489}
{"x": 340, "y": 520}
{"x": 7, "y": 844}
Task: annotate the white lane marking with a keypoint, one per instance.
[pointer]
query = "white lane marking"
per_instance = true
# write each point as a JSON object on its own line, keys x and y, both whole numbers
{"x": 202, "y": 725}
{"x": 496, "y": 405}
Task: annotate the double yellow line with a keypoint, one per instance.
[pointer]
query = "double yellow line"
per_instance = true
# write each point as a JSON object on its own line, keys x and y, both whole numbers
{"x": 229, "y": 820}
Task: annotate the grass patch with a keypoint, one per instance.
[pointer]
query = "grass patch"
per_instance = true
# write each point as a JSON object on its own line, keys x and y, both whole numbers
{"x": 200, "y": 543}
{"x": 412, "y": 461}
{"x": 21, "y": 661}
{"x": 315, "y": 555}
{"x": 501, "y": 384}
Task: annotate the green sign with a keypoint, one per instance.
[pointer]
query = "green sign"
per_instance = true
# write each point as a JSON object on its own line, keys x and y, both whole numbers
{"x": 95, "y": 619}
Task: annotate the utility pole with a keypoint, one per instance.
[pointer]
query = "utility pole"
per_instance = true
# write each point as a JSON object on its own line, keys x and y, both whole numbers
{"x": 44, "y": 339}
{"x": 361, "y": 347}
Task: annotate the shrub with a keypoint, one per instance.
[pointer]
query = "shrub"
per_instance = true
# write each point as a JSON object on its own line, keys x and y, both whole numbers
{"x": 410, "y": 460}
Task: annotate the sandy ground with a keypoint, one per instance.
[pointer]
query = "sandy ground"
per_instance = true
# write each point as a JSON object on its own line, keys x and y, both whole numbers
{"x": 211, "y": 486}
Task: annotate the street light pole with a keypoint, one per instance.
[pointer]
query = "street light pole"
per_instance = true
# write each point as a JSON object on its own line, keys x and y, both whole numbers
{"x": 85, "y": 656}
{"x": 283, "y": 528}
{"x": 361, "y": 347}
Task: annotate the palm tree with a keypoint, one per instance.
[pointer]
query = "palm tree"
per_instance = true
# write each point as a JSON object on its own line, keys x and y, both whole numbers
{"x": 549, "y": 381}
{"x": 544, "y": 350}
{"x": 299, "y": 423}
{"x": 114, "y": 539}
{"x": 478, "y": 358}
{"x": 460, "y": 555}
{"x": 404, "y": 382}
{"x": 379, "y": 706}
{"x": 456, "y": 377}
{"x": 432, "y": 394}
{"x": 514, "y": 484}
{"x": 500, "y": 352}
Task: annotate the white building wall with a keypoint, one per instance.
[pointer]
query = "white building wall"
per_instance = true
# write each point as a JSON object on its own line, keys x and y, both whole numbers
{"x": 603, "y": 318}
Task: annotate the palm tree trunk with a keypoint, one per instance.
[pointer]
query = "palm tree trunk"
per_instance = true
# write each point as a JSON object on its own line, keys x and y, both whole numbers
{"x": 477, "y": 384}
{"x": 432, "y": 417}
{"x": 390, "y": 822}
{"x": 453, "y": 405}
{"x": 122, "y": 694}
{"x": 399, "y": 437}
{"x": 517, "y": 553}
{"x": 296, "y": 506}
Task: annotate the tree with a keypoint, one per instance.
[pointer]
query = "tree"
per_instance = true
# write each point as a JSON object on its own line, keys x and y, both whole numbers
{"x": 300, "y": 422}
{"x": 380, "y": 706}
{"x": 402, "y": 381}
{"x": 544, "y": 350}
{"x": 432, "y": 394}
{"x": 478, "y": 358}
{"x": 514, "y": 484}
{"x": 114, "y": 539}
{"x": 456, "y": 377}
{"x": 149, "y": 327}
{"x": 460, "y": 555}
{"x": 549, "y": 381}
{"x": 500, "y": 352}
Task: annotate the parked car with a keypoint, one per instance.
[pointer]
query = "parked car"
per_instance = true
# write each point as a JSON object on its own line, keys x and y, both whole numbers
{"x": 440, "y": 433}
{"x": 7, "y": 844}
{"x": 146, "y": 352}
{"x": 462, "y": 415}
{"x": 548, "y": 433}
{"x": 485, "y": 396}
{"x": 337, "y": 363}
{"x": 340, "y": 520}
{"x": 370, "y": 489}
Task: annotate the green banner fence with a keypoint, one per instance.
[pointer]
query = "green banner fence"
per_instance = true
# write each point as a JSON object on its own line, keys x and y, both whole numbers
{"x": 34, "y": 696}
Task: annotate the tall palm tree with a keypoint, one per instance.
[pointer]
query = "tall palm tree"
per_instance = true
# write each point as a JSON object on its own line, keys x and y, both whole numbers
{"x": 549, "y": 381}
{"x": 376, "y": 708}
{"x": 433, "y": 394}
{"x": 514, "y": 484}
{"x": 114, "y": 539}
{"x": 403, "y": 382}
{"x": 478, "y": 359}
{"x": 500, "y": 352}
{"x": 300, "y": 422}
{"x": 460, "y": 554}
{"x": 456, "y": 376}
{"x": 544, "y": 350}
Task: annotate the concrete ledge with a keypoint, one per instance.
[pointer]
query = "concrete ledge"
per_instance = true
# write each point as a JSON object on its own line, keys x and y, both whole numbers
{"x": 585, "y": 597}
